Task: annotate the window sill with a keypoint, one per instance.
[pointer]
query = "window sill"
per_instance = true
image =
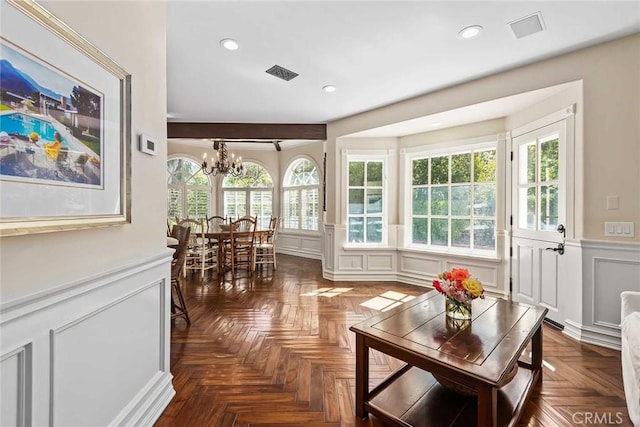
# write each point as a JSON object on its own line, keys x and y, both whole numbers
{"x": 368, "y": 248}
{"x": 491, "y": 257}
{"x": 297, "y": 232}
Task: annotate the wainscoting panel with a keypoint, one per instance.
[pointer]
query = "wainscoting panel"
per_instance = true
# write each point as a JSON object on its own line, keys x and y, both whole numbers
{"x": 303, "y": 245}
{"x": 351, "y": 262}
{"x": 111, "y": 335}
{"x": 606, "y": 292}
{"x": 549, "y": 276}
{"x": 329, "y": 242}
{"x": 380, "y": 263}
{"x": 524, "y": 271}
{"x": 91, "y": 352}
{"x": 15, "y": 387}
{"x": 411, "y": 263}
{"x": 608, "y": 268}
{"x": 487, "y": 273}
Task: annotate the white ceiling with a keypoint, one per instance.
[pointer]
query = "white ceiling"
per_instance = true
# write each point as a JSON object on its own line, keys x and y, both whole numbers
{"x": 374, "y": 52}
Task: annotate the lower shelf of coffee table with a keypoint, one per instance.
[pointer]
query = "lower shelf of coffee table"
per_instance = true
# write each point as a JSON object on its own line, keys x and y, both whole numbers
{"x": 415, "y": 398}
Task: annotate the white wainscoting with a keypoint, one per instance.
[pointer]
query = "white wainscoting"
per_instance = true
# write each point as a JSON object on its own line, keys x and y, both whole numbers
{"x": 300, "y": 244}
{"x": 608, "y": 268}
{"x": 421, "y": 269}
{"x": 415, "y": 267}
{"x": 92, "y": 352}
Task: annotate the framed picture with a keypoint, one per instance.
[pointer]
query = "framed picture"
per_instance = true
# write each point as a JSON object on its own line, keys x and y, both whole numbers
{"x": 65, "y": 127}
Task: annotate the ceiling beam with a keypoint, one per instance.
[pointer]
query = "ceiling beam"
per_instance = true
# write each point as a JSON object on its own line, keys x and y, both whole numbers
{"x": 246, "y": 130}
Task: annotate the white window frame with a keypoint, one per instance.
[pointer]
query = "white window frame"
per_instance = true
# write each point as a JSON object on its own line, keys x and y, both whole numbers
{"x": 299, "y": 189}
{"x": 247, "y": 192}
{"x": 451, "y": 148}
{"x": 366, "y": 155}
{"x": 183, "y": 188}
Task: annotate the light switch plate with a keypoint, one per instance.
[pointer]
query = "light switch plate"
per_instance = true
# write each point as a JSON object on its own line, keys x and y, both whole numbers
{"x": 619, "y": 229}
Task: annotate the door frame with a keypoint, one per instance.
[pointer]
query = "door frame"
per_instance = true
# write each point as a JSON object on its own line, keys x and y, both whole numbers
{"x": 573, "y": 215}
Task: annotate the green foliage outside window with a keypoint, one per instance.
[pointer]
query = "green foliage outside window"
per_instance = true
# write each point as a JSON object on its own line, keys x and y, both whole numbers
{"x": 453, "y": 200}
{"x": 365, "y": 201}
{"x": 242, "y": 198}
{"x": 254, "y": 176}
{"x": 539, "y": 159}
{"x": 301, "y": 202}
{"x": 189, "y": 193}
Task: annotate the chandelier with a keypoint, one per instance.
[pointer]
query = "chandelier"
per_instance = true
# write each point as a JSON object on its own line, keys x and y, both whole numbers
{"x": 222, "y": 164}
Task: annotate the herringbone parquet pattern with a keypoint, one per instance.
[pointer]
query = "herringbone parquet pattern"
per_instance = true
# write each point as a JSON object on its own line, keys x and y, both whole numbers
{"x": 259, "y": 352}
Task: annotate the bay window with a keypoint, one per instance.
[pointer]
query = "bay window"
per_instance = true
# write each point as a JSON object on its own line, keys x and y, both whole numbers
{"x": 453, "y": 199}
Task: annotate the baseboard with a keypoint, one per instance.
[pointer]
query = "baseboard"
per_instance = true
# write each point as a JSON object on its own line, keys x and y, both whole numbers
{"x": 590, "y": 335}
{"x": 358, "y": 276}
{"x": 302, "y": 254}
{"x": 146, "y": 409}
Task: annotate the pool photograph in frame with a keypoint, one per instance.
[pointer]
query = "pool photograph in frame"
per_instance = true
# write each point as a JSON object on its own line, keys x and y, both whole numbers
{"x": 65, "y": 120}
{"x": 50, "y": 125}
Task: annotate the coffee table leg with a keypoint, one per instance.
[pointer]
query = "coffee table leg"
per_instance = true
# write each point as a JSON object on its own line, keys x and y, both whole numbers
{"x": 536, "y": 353}
{"x": 487, "y": 406}
{"x": 362, "y": 376}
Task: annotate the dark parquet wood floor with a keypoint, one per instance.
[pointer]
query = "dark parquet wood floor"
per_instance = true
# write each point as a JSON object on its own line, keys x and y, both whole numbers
{"x": 259, "y": 352}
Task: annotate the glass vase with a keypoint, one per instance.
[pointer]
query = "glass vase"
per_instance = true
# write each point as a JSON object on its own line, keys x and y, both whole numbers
{"x": 458, "y": 310}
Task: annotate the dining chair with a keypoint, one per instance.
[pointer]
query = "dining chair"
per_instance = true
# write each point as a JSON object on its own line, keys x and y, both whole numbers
{"x": 238, "y": 251}
{"x": 213, "y": 223}
{"x": 178, "y": 304}
{"x": 200, "y": 255}
{"x": 265, "y": 252}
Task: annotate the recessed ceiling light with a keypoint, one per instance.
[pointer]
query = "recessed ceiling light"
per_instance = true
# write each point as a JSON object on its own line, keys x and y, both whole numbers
{"x": 229, "y": 44}
{"x": 470, "y": 32}
{"x": 329, "y": 88}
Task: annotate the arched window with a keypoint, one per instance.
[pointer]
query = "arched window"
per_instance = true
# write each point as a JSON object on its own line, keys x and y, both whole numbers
{"x": 250, "y": 194}
{"x": 300, "y": 208}
{"x": 189, "y": 190}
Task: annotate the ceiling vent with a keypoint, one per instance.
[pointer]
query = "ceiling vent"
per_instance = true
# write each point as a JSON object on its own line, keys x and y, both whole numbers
{"x": 281, "y": 73}
{"x": 528, "y": 25}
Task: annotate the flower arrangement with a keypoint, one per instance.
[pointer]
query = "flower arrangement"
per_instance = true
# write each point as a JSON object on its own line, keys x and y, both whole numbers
{"x": 460, "y": 289}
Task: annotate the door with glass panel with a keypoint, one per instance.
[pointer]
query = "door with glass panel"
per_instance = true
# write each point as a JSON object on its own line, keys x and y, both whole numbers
{"x": 539, "y": 203}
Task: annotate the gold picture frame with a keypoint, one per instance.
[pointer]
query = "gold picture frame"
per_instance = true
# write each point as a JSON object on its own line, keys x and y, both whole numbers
{"x": 65, "y": 127}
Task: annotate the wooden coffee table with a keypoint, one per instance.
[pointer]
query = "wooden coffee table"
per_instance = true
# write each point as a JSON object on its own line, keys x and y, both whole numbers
{"x": 478, "y": 357}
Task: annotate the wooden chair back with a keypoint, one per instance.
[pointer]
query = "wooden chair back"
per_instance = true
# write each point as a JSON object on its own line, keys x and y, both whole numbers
{"x": 182, "y": 234}
{"x": 213, "y": 223}
{"x": 240, "y": 247}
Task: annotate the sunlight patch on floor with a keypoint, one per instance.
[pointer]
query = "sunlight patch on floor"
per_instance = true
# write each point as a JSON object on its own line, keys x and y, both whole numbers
{"x": 387, "y": 301}
{"x": 326, "y": 292}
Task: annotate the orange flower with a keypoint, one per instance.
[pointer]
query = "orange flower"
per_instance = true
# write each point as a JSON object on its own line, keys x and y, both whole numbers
{"x": 459, "y": 274}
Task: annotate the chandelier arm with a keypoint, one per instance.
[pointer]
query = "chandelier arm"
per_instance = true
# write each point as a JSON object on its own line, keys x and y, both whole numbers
{"x": 222, "y": 165}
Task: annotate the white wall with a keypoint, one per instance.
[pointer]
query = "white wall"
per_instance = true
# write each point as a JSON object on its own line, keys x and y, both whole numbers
{"x": 86, "y": 296}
